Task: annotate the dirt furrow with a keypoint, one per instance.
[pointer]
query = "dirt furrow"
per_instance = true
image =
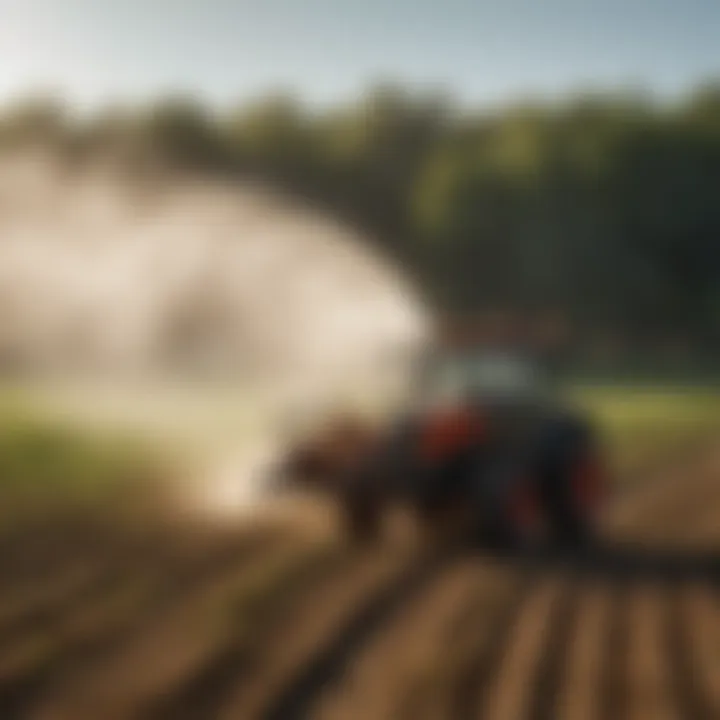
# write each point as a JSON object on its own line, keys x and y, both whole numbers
{"x": 392, "y": 676}
{"x": 482, "y": 647}
{"x": 579, "y": 695}
{"x": 697, "y": 628}
{"x": 434, "y": 696}
{"x": 650, "y": 688}
{"x": 323, "y": 635}
{"x": 35, "y": 547}
{"x": 550, "y": 675}
{"x": 67, "y": 573}
{"x": 38, "y": 658}
{"x": 30, "y": 605}
{"x": 113, "y": 672}
{"x": 511, "y": 694}
{"x": 203, "y": 694}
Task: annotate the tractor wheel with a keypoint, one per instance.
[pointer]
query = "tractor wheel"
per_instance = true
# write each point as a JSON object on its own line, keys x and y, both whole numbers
{"x": 572, "y": 487}
{"x": 361, "y": 517}
{"x": 577, "y": 519}
{"x": 512, "y": 519}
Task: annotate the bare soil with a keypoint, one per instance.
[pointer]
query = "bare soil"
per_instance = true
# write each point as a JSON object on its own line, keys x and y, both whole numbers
{"x": 276, "y": 623}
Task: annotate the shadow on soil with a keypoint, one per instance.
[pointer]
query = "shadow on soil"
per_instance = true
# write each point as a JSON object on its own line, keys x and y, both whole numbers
{"x": 614, "y": 562}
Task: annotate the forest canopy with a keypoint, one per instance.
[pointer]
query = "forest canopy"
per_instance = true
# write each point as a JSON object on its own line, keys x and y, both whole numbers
{"x": 604, "y": 207}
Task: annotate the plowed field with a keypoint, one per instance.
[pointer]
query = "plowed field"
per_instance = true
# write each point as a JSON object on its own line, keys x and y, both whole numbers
{"x": 271, "y": 622}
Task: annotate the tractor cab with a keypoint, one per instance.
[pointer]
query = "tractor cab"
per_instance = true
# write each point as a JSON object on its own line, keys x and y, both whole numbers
{"x": 470, "y": 396}
{"x": 477, "y": 375}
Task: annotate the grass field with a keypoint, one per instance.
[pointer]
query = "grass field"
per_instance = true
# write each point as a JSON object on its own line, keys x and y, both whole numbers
{"x": 647, "y": 426}
{"x": 49, "y": 465}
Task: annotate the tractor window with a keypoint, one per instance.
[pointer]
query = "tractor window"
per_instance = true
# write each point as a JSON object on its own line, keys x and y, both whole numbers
{"x": 456, "y": 376}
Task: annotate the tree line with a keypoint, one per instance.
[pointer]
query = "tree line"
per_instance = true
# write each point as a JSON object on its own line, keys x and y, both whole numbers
{"x": 604, "y": 208}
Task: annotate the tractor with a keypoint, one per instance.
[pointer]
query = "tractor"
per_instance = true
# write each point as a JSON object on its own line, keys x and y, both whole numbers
{"x": 484, "y": 447}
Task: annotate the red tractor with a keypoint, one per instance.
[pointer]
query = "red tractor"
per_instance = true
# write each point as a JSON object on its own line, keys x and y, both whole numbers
{"x": 483, "y": 446}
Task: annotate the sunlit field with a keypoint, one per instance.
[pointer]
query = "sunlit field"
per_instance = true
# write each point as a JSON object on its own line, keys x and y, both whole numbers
{"x": 80, "y": 440}
{"x": 647, "y": 426}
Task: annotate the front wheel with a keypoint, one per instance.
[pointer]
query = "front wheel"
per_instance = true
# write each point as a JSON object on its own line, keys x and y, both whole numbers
{"x": 574, "y": 504}
{"x": 361, "y": 507}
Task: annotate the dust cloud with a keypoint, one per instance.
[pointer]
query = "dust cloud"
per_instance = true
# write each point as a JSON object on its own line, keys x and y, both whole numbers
{"x": 130, "y": 278}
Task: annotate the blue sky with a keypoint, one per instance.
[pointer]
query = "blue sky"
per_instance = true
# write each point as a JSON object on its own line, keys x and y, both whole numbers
{"x": 484, "y": 51}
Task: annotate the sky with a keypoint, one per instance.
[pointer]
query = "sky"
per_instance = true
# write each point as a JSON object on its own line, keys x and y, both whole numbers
{"x": 482, "y": 51}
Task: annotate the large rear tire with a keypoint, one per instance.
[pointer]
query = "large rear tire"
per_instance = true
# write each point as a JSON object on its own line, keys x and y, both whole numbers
{"x": 571, "y": 484}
